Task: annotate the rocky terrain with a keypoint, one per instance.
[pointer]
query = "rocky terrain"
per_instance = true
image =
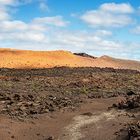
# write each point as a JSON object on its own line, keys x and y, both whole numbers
{"x": 132, "y": 105}
{"x": 90, "y": 101}
{"x": 85, "y": 55}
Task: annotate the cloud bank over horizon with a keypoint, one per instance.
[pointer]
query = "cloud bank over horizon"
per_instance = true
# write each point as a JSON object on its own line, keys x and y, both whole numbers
{"x": 107, "y": 28}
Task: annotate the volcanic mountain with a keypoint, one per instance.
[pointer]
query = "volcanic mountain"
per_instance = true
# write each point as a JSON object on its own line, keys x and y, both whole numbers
{"x": 10, "y": 58}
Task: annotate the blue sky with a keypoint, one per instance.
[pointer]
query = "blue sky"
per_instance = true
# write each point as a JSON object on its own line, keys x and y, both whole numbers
{"x": 97, "y": 27}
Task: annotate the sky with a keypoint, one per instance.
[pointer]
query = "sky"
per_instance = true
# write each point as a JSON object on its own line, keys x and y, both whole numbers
{"x": 96, "y": 27}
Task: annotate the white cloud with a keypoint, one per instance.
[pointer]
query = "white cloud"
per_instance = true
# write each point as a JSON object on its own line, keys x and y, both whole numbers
{"x": 43, "y": 6}
{"x": 7, "y": 2}
{"x": 56, "y": 21}
{"x": 109, "y": 15}
{"x": 22, "y": 32}
{"x": 8, "y": 26}
{"x": 75, "y": 41}
{"x": 117, "y": 8}
{"x": 14, "y": 2}
{"x": 30, "y": 36}
{"x": 3, "y": 14}
{"x": 19, "y": 26}
{"x": 136, "y": 30}
{"x": 103, "y": 33}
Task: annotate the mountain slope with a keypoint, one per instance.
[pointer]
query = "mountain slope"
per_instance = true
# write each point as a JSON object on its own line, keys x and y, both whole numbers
{"x": 10, "y": 58}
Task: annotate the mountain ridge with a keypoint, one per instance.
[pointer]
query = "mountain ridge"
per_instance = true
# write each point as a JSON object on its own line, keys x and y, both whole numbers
{"x": 13, "y": 58}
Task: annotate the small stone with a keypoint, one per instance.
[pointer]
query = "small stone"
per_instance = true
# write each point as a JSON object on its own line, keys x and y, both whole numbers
{"x": 87, "y": 114}
{"x": 38, "y": 134}
{"x": 50, "y": 138}
{"x": 12, "y": 137}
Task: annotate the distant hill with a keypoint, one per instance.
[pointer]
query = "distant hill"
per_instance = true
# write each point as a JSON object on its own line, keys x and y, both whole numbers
{"x": 10, "y": 58}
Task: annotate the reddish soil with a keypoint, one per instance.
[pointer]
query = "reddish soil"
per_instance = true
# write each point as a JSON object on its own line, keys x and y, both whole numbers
{"x": 68, "y": 103}
{"x": 52, "y": 124}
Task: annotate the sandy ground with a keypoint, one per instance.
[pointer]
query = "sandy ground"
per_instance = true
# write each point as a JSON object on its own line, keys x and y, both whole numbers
{"x": 35, "y": 59}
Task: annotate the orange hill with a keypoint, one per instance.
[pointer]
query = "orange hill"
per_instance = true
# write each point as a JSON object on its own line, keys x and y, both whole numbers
{"x": 10, "y": 58}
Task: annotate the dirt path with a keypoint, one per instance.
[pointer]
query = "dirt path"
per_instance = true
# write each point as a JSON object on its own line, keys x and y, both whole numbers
{"x": 80, "y": 126}
{"x": 91, "y": 121}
